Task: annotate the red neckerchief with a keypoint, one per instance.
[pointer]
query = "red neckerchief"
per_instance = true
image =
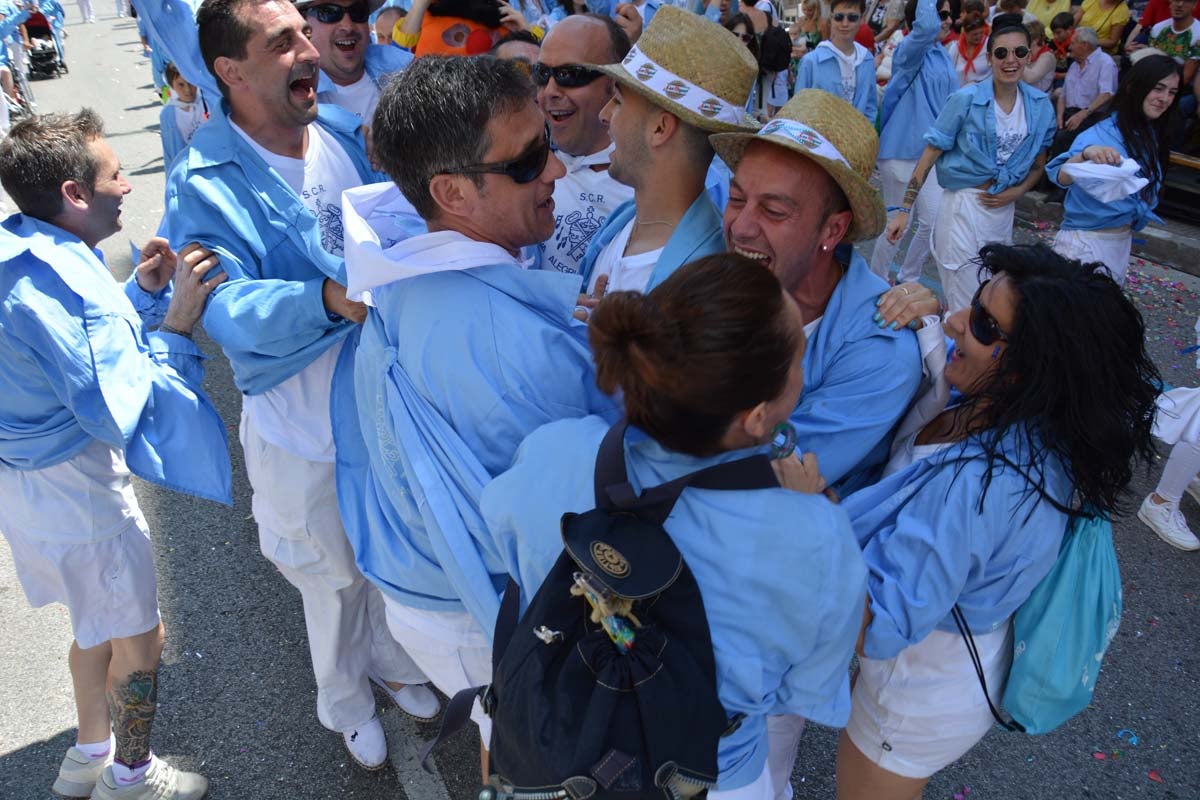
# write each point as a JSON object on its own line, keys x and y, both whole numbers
{"x": 1061, "y": 49}
{"x": 1038, "y": 54}
{"x": 970, "y": 58}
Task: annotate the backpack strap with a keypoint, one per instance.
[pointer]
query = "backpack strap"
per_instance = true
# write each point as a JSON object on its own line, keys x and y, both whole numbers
{"x": 615, "y": 493}
{"x": 1001, "y": 720}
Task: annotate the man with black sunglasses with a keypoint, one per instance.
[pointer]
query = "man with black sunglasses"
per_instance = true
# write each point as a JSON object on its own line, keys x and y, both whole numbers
{"x": 261, "y": 185}
{"x": 464, "y": 352}
{"x": 352, "y": 69}
{"x": 571, "y": 96}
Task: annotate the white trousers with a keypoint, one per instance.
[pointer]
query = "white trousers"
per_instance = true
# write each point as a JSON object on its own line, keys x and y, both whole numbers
{"x": 86, "y": 11}
{"x": 963, "y": 227}
{"x": 759, "y": 790}
{"x": 300, "y": 532}
{"x": 122, "y": 8}
{"x": 1110, "y": 248}
{"x": 783, "y": 743}
{"x": 895, "y": 173}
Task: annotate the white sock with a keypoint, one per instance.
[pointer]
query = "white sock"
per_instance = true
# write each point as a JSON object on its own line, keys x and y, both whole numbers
{"x": 126, "y": 775}
{"x": 96, "y": 749}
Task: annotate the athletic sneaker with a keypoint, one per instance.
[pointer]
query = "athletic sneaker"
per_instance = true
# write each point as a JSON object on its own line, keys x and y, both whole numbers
{"x": 161, "y": 782}
{"x": 415, "y": 699}
{"x": 1193, "y": 489}
{"x": 367, "y": 744}
{"x": 78, "y": 774}
{"x": 1167, "y": 521}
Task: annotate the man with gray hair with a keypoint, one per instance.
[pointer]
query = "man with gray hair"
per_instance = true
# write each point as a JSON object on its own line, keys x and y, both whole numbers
{"x": 464, "y": 351}
{"x": 1090, "y": 83}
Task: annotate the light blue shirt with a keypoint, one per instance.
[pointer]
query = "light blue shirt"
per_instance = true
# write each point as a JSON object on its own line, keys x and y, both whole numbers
{"x": 928, "y": 545}
{"x": 698, "y": 234}
{"x": 1081, "y": 211}
{"x": 859, "y": 380}
{"x": 269, "y": 317}
{"x": 820, "y": 70}
{"x": 381, "y": 61}
{"x": 965, "y": 132}
{"x": 171, "y": 27}
{"x": 923, "y": 78}
{"x": 453, "y": 369}
{"x": 780, "y": 573}
{"x": 76, "y": 365}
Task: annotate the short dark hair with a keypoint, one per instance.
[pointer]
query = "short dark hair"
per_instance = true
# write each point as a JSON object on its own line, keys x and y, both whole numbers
{"x": 1004, "y": 24}
{"x": 515, "y": 36}
{"x": 861, "y": 4}
{"x": 170, "y": 73}
{"x": 42, "y": 153}
{"x": 910, "y": 11}
{"x": 435, "y": 118}
{"x": 709, "y": 342}
{"x": 618, "y": 40}
{"x": 1064, "y": 20}
{"x": 222, "y": 33}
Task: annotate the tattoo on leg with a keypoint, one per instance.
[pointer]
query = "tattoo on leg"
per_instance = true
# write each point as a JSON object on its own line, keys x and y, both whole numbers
{"x": 132, "y": 705}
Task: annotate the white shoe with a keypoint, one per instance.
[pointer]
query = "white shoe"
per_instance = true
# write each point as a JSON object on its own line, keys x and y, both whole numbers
{"x": 367, "y": 744}
{"x": 161, "y": 782}
{"x": 1193, "y": 489}
{"x": 78, "y": 774}
{"x": 415, "y": 699}
{"x": 1167, "y": 521}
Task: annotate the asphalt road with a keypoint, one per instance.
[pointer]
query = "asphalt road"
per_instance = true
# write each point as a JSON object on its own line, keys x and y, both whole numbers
{"x": 237, "y": 696}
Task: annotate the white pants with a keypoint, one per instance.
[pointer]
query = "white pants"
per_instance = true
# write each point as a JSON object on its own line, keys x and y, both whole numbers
{"x": 783, "y": 743}
{"x": 300, "y": 531}
{"x": 895, "y": 174}
{"x": 449, "y": 647}
{"x": 759, "y": 790}
{"x": 963, "y": 227}
{"x": 122, "y": 8}
{"x": 1110, "y": 248}
{"x": 86, "y": 11}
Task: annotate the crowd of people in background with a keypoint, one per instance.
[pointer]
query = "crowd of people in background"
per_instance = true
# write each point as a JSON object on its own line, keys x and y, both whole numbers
{"x": 465, "y": 258}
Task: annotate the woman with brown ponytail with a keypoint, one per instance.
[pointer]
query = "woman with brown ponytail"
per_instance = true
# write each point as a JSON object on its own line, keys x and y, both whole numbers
{"x": 709, "y": 364}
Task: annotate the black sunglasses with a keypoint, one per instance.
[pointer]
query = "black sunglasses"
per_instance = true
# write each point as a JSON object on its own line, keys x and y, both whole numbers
{"x": 983, "y": 325}
{"x": 1001, "y": 53}
{"x": 331, "y": 13}
{"x": 568, "y": 76}
{"x": 840, "y": 16}
{"x": 945, "y": 15}
{"x": 523, "y": 169}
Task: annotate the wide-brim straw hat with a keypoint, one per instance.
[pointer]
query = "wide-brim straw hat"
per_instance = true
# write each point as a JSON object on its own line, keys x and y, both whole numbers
{"x": 692, "y": 67}
{"x": 834, "y": 134}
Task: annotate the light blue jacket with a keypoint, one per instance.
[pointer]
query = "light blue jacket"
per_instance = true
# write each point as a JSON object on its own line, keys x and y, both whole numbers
{"x": 452, "y": 371}
{"x": 820, "y": 70}
{"x": 698, "y": 234}
{"x": 269, "y": 317}
{"x": 923, "y": 78}
{"x": 780, "y": 572}
{"x": 859, "y": 380}
{"x": 381, "y": 61}
{"x": 171, "y": 27}
{"x": 608, "y": 8}
{"x": 1082, "y": 212}
{"x": 76, "y": 365}
{"x": 927, "y": 545}
{"x": 14, "y": 17}
{"x": 965, "y": 132}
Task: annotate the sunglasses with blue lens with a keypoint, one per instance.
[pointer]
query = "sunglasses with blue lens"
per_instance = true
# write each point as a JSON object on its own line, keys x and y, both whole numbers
{"x": 332, "y": 13}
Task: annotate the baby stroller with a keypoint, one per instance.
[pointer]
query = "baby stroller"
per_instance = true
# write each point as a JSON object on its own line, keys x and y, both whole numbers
{"x": 44, "y": 59}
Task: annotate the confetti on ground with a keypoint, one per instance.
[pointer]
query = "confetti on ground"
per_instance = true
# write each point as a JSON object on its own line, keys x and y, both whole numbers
{"x": 1099, "y": 756}
{"x": 1127, "y": 735}
{"x": 962, "y": 793}
{"x": 1154, "y": 776}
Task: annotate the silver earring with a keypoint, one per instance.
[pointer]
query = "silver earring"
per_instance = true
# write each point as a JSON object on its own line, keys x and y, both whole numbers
{"x": 824, "y": 248}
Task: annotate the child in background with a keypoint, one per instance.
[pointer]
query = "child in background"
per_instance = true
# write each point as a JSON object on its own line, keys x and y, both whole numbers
{"x": 1062, "y": 30}
{"x": 181, "y": 116}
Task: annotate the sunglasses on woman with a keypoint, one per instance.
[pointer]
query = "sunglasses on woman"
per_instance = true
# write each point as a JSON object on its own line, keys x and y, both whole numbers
{"x": 523, "y": 169}
{"x": 945, "y": 15}
{"x": 568, "y": 76}
{"x": 846, "y": 17}
{"x": 332, "y": 13}
{"x": 983, "y": 325}
{"x": 1001, "y": 53}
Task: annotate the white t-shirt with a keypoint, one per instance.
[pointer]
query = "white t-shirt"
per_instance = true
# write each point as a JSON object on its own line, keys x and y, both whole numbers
{"x": 359, "y": 98}
{"x": 188, "y": 117}
{"x": 1011, "y": 130}
{"x": 625, "y": 273}
{"x": 848, "y": 65}
{"x": 294, "y": 415}
{"x": 583, "y": 199}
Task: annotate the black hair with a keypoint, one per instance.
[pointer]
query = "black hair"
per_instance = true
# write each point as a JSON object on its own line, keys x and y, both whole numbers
{"x": 170, "y": 72}
{"x": 1074, "y": 383}
{"x": 515, "y": 36}
{"x": 910, "y": 11}
{"x": 435, "y": 119}
{"x": 741, "y": 19}
{"x": 1004, "y": 24}
{"x": 711, "y": 341}
{"x": 222, "y": 33}
{"x": 861, "y": 4}
{"x": 1064, "y": 20}
{"x": 41, "y": 153}
{"x": 1147, "y": 141}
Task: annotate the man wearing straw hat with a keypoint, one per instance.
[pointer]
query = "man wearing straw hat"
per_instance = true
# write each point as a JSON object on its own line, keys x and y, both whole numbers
{"x": 684, "y": 79}
{"x": 800, "y": 195}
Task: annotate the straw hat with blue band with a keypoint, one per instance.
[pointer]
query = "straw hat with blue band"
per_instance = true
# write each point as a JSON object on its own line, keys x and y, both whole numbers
{"x": 835, "y": 135}
{"x": 698, "y": 71}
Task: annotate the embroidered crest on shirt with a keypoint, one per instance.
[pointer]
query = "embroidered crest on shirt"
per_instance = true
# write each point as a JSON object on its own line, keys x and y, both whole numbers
{"x": 329, "y": 217}
{"x": 580, "y": 228}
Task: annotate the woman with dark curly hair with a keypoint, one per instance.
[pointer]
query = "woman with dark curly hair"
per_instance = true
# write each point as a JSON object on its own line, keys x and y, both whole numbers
{"x": 1057, "y": 400}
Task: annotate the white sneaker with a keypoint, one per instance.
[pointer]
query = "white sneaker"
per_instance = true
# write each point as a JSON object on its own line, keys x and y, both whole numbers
{"x": 415, "y": 699}
{"x": 1167, "y": 521}
{"x": 367, "y": 744}
{"x": 1193, "y": 489}
{"x": 78, "y": 774}
{"x": 161, "y": 782}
